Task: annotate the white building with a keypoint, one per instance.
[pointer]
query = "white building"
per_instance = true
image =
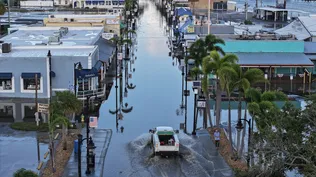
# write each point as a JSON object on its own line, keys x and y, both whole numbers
{"x": 112, "y": 5}
{"x": 65, "y": 3}
{"x": 36, "y": 4}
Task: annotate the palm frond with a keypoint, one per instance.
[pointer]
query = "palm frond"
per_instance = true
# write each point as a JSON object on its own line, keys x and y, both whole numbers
{"x": 254, "y": 75}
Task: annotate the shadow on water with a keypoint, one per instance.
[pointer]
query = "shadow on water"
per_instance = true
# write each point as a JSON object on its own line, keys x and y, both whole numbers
{"x": 192, "y": 161}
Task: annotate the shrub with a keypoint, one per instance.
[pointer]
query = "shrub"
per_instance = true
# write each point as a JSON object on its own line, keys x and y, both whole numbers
{"x": 248, "y": 22}
{"x": 268, "y": 96}
{"x": 29, "y": 126}
{"x": 24, "y": 173}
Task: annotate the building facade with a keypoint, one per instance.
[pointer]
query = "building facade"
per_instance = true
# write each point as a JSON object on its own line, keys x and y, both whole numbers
{"x": 63, "y": 3}
{"x": 110, "y": 5}
{"x": 110, "y": 23}
{"x": 39, "y": 52}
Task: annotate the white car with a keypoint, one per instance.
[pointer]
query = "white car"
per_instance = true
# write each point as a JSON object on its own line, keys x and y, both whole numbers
{"x": 165, "y": 141}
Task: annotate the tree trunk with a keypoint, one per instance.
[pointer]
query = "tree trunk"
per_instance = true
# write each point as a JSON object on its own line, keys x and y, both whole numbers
{"x": 64, "y": 137}
{"x": 218, "y": 103}
{"x": 208, "y": 109}
{"x": 242, "y": 145}
{"x": 239, "y": 117}
{"x": 230, "y": 127}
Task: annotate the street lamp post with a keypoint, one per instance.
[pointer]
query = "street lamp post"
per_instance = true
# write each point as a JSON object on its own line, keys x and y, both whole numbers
{"x": 291, "y": 78}
{"x": 239, "y": 127}
{"x": 186, "y": 87}
{"x": 265, "y": 82}
{"x": 196, "y": 91}
{"x": 87, "y": 131}
{"x": 75, "y": 75}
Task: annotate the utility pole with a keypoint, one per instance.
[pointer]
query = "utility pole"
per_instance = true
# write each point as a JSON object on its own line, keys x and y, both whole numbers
{"x": 209, "y": 17}
{"x": 246, "y": 9}
{"x": 37, "y": 117}
{"x": 9, "y": 19}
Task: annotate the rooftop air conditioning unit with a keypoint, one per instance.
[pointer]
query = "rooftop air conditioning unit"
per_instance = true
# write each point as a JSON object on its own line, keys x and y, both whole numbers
{"x": 58, "y": 34}
{"x": 6, "y": 47}
{"x": 54, "y": 39}
{"x": 63, "y": 30}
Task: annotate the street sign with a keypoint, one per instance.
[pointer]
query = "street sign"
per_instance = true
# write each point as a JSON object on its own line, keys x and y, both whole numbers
{"x": 107, "y": 36}
{"x": 201, "y": 103}
{"x": 196, "y": 84}
{"x": 42, "y": 107}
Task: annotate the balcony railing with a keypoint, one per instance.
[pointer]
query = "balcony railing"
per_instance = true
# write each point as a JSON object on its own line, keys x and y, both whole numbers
{"x": 82, "y": 95}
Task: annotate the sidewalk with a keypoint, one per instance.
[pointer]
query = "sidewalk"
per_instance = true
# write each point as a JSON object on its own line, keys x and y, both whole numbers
{"x": 101, "y": 139}
{"x": 221, "y": 168}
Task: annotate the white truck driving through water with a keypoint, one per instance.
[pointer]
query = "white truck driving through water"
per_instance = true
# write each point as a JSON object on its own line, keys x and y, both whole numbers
{"x": 165, "y": 141}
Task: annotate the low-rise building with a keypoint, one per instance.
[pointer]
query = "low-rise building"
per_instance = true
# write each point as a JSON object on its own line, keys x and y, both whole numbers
{"x": 63, "y": 3}
{"x": 50, "y": 53}
{"x": 37, "y": 4}
{"x": 110, "y": 5}
{"x": 110, "y": 23}
{"x": 214, "y": 5}
{"x": 303, "y": 28}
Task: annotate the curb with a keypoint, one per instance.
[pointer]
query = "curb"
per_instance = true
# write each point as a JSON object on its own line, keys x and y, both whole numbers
{"x": 104, "y": 151}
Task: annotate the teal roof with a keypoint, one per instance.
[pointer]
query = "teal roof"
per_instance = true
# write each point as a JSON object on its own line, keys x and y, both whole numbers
{"x": 263, "y": 46}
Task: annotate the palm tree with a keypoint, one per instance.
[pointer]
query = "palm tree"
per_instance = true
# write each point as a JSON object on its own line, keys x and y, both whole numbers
{"x": 212, "y": 43}
{"x": 201, "y": 48}
{"x": 198, "y": 52}
{"x": 244, "y": 80}
{"x": 260, "y": 107}
{"x": 24, "y": 173}
{"x": 206, "y": 70}
{"x": 216, "y": 64}
{"x": 64, "y": 106}
{"x": 229, "y": 81}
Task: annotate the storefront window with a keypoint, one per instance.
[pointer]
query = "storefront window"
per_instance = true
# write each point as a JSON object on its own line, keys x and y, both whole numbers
{"x": 6, "y": 111}
{"x": 6, "y": 84}
{"x": 29, "y": 84}
{"x": 29, "y": 111}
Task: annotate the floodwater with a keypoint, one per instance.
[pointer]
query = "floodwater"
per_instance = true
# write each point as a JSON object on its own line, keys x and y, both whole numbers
{"x": 18, "y": 149}
{"x": 155, "y": 100}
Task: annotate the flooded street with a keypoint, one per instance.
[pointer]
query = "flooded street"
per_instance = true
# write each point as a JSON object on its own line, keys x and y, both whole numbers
{"x": 155, "y": 101}
{"x": 16, "y": 147}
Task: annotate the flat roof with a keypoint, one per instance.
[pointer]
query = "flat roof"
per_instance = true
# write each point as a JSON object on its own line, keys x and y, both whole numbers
{"x": 108, "y": 16}
{"x": 273, "y": 9}
{"x": 30, "y": 36}
{"x": 274, "y": 59}
{"x": 41, "y": 51}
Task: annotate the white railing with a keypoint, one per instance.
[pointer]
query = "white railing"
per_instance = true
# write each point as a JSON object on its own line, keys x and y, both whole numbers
{"x": 82, "y": 95}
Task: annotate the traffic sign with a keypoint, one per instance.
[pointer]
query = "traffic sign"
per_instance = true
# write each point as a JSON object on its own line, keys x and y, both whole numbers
{"x": 201, "y": 103}
{"x": 42, "y": 107}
